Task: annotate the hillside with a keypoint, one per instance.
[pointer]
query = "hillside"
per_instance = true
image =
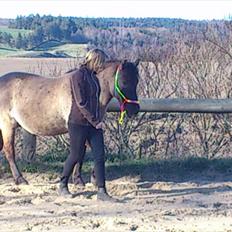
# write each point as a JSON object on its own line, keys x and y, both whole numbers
{"x": 121, "y": 38}
{"x": 58, "y": 51}
{"x": 14, "y": 31}
{"x": 116, "y": 36}
{"x": 4, "y": 22}
{"x": 6, "y": 51}
{"x": 23, "y": 42}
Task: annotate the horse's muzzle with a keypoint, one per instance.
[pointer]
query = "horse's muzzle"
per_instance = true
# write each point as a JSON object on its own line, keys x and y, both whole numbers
{"x": 132, "y": 109}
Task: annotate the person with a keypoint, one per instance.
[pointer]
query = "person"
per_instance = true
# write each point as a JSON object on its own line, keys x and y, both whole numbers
{"x": 84, "y": 122}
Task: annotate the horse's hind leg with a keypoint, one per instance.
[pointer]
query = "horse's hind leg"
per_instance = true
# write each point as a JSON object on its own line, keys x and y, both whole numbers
{"x": 8, "y": 134}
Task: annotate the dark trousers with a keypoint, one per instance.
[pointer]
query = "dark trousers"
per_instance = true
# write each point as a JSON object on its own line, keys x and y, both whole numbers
{"x": 78, "y": 136}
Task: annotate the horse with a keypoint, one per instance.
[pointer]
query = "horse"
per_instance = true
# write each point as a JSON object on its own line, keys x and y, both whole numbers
{"x": 42, "y": 105}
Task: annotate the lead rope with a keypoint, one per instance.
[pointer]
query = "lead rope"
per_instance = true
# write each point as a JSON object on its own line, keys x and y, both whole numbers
{"x": 122, "y": 115}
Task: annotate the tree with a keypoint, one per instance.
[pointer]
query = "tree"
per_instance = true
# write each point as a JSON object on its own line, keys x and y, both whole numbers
{"x": 53, "y": 31}
{"x": 19, "y": 41}
{"x": 36, "y": 38}
{"x": 7, "y": 38}
{"x": 68, "y": 28}
{"x": 39, "y": 35}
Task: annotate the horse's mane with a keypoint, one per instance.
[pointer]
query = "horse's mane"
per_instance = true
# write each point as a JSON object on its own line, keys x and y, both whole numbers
{"x": 110, "y": 62}
{"x": 106, "y": 65}
{"x": 74, "y": 69}
{"x": 71, "y": 70}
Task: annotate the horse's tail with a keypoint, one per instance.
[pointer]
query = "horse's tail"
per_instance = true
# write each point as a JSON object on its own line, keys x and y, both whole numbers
{"x": 1, "y": 140}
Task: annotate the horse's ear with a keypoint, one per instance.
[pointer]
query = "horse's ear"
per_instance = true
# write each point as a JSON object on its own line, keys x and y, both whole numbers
{"x": 124, "y": 62}
{"x": 137, "y": 62}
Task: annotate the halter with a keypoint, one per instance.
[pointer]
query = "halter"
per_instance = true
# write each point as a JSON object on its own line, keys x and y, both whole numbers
{"x": 124, "y": 98}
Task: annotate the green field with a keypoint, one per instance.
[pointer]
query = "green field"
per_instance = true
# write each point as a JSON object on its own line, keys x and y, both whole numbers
{"x": 46, "y": 49}
{"x": 6, "y": 51}
{"x": 73, "y": 50}
{"x": 64, "y": 50}
{"x": 14, "y": 32}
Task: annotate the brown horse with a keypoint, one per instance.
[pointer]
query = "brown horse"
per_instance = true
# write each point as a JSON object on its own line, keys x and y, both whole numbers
{"x": 42, "y": 105}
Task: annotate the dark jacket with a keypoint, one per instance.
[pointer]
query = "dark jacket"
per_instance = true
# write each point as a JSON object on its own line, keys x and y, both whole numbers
{"x": 85, "y": 91}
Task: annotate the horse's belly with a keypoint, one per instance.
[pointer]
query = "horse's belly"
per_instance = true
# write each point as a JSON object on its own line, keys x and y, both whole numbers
{"x": 41, "y": 124}
{"x": 55, "y": 127}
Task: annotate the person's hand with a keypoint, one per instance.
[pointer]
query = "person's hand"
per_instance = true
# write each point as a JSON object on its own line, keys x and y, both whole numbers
{"x": 99, "y": 125}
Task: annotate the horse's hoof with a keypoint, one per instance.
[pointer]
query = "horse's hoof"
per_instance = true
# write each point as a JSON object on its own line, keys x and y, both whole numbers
{"x": 21, "y": 180}
{"x": 78, "y": 181}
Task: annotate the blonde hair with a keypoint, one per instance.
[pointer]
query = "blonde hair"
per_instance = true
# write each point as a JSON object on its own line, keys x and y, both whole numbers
{"x": 95, "y": 59}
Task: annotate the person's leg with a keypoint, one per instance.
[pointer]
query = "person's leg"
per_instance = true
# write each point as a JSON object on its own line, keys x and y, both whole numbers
{"x": 78, "y": 135}
{"x": 96, "y": 141}
{"x": 76, "y": 176}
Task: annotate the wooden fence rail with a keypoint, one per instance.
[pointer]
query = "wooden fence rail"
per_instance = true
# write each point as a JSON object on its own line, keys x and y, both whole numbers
{"x": 180, "y": 105}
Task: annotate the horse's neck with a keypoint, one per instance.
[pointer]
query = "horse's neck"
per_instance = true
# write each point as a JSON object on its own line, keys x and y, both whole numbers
{"x": 106, "y": 80}
{"x": 105, "y": 96}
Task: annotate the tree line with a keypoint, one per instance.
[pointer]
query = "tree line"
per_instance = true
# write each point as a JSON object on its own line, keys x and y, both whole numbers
{"x": 120, "y": 37}
{"x": 102, "y": 32}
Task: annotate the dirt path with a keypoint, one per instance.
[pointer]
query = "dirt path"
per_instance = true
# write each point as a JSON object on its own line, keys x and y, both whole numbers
{"x": 143, "y": 206}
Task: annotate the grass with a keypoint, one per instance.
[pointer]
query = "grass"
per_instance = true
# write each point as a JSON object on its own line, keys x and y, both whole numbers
{"x": 14, "y": 32}
{"x": 46, "y": 45}
{"x": 147, "y": 169}
{"x": 60, "y": 49}
{"x": 73, "y": 50}
{"x": 7, "y": 51}
{"x": 51, "y": 48}
{"x": 63, "y": 50}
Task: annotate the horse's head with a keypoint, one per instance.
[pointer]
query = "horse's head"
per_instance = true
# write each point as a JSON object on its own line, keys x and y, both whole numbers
{"x": 125, "y": 85}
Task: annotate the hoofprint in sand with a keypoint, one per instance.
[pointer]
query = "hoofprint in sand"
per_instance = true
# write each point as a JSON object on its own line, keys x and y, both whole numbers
{"x": 192, "y": 205}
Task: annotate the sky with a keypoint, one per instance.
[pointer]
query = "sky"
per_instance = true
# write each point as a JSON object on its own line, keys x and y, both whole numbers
{"x": 185, "y": 9}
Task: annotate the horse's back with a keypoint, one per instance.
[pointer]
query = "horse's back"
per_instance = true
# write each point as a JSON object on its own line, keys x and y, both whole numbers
{"x": 13, "y": 75}
{"x": 10, "y": 83}
{"x": 41, "y": 105}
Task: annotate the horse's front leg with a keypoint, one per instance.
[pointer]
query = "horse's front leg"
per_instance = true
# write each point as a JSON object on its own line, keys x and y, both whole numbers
{"x": 8, "y": 134}
{"x": 76, "y": 176}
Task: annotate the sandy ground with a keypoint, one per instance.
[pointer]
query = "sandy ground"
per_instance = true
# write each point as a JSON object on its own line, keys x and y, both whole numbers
{"x": 191, "y": 206}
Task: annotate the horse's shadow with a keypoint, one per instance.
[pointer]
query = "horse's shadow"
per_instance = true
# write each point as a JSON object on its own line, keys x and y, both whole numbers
{"x": 86, "y": 194}
{"x": 183, "y": 177}
{"x": 197, "y": 169}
